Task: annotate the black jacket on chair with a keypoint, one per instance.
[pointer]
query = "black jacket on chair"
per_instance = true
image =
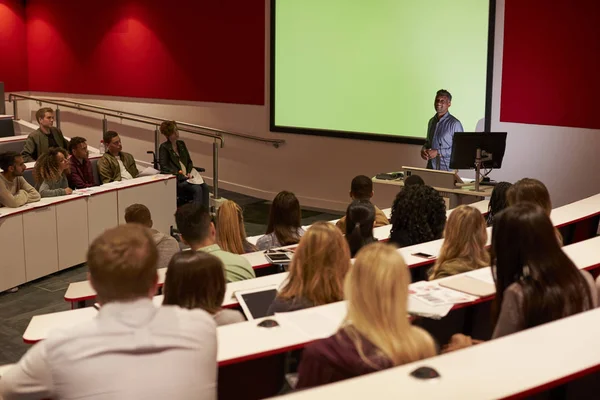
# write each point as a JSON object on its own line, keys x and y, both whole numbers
{"x": 169, "y": 160}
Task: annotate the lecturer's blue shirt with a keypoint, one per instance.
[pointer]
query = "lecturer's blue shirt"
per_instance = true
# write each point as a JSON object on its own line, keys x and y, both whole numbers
{"x": 440, "y": 134}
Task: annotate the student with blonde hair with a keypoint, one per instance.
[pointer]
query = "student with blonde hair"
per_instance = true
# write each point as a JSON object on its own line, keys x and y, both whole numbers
{"x": 317, "y": 270}
{"x": 377, "y": 333}
{"x": 231, "y": 234}
{"x": 464, "y": 249}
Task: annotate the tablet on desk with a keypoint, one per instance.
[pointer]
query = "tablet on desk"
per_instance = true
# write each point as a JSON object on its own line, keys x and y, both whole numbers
{"x": 256, "y": 302}
{"x": 279, "y": 258}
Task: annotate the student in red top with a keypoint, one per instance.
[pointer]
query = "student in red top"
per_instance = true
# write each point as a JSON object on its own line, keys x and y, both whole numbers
{"x": 81, "y": 175}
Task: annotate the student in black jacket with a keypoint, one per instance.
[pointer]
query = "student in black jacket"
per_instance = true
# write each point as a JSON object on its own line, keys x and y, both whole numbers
{"x": 175, "y": 159}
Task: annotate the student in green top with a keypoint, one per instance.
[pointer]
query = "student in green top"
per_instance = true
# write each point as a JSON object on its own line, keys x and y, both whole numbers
{"x": 198, "y": 231}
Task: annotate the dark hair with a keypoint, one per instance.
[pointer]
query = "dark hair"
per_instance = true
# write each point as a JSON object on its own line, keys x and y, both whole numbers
{"x": 108, "y": 136}
{"x": 498, "y": 201}
{"x": 168, "y": 128}
{"x": 444, "y": 92}
{"x": 41, "y": 113}
{"x": 7, "y": 159}
{"x": 361, "y": 187}
{"x": 138, "y": 214}
{"x": 193, "y": 222}
{"x": 195, "y": 280}
{"x": 284, "y": 218}
{"x": 525, "y": 250}
{"x": 76, "y": 141}
{"x": 360, "y": 217}
{"x": 413, "y": 180}
{"x": 46, "y": 167}
{"x": 418, "y": 215}
{"x": 530, "y": 190}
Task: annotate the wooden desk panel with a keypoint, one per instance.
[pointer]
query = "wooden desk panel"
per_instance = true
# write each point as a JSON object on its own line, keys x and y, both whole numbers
{"x": 102, "y": 214}
{"x": 72, "y": 231}
{"x": 41, "y": 252}
{"x": 12, "y": 260}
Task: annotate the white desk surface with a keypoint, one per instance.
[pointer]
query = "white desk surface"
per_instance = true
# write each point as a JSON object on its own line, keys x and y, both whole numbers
{"x": 584, "y": 254}
{"x": 4, "y": 368}
{"x": 465, "y": 189}
{"x": 16, "y": 138}
{"x": 485, "y": 371}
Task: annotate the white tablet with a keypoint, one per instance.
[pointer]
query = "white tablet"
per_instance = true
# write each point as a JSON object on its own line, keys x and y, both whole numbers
{"x": 256, "y": 302}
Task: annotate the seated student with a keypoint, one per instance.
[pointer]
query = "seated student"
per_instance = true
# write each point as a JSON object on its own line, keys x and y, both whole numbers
{"x": 231, "y": 234}
{"x": 413, "y": 180}
{"x": 166, "y": 245}
{"x": 45, "y": 137}
{"x": 418, "y": 216}
{"x": 360, "y": 218}
{"x": 532, "y": 191}
{"x": 361, "y": 188}
{"x": 199, "y": 232}
{"x": 81, "y": 175}
{"x": 15, "y": 191}
{"x": 131, "y": 349}
{"x": 50, "y": 172}
{"x": 317, "y": 270}
{"x": 175, "y": 159}
{"x": 377, "y": 333}
{"x": 463, "y": 249}
{"x": 195, "y": 280}
{"x": 116, "y": 165}
{"x": 498, "y": 201}
{"x": 536, "y": 282}
{"x": 284, "y": 222}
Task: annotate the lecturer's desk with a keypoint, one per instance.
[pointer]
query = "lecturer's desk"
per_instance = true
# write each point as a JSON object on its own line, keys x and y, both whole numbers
{"x": 461, "y": 194}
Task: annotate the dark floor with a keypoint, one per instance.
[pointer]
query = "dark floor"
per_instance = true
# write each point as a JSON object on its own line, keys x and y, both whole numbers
{"x": 46, "y": 294}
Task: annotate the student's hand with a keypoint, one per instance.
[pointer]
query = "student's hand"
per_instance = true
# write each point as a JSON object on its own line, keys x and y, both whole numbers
{"x": 69, "y": 190}
{"x": 424, "y": 154}
{"x": 432, "y": 153}
{"x": 459, "y": 341}
{"x": 189, "y": 176}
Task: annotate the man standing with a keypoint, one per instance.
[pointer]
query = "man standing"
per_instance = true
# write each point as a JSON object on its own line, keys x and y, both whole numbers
{"x": 81, "y": 175}
{"x": 14, "y": 189}
{"x": 131, "y": 349}
{"x": 197, "y": 229}
{"x": 440, "y": 133}
{"x": 116, "y": 165}
{"x": 39, "y": 141}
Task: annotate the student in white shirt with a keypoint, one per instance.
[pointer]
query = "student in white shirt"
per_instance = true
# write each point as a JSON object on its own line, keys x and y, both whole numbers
{"x": 132, "y": 349}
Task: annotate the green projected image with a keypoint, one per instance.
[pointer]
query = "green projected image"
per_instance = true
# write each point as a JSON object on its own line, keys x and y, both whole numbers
{"x": 374, "y": 66}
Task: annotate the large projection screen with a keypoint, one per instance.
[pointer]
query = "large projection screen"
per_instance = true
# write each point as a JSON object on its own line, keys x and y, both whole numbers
{"x": 370, "y": 69}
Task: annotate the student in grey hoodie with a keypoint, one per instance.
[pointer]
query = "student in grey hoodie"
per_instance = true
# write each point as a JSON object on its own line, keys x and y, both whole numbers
{"x": 167, "y": 245}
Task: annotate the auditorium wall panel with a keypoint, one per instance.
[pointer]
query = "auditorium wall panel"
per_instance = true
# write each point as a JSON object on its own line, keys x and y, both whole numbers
{"x": 184, "y": 50}
{"x": 319, "y": 169}
{"x": 13, "y": 45}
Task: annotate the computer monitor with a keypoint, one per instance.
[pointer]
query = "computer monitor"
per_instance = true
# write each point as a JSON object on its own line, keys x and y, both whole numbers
{"x": 465, "y": 145}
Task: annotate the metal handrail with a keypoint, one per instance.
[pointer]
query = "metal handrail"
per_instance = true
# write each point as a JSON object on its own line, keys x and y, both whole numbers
{"x": 275, "y": 142}
{"x": 13, "y": 97}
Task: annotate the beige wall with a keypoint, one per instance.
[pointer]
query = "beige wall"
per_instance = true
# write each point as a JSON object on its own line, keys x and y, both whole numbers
{"x": 319, "y": 169}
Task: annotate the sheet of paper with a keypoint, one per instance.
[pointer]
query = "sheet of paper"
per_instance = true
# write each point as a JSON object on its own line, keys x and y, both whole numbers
{"x": 148, "y": 171}
{"x": 434, "y": 295}
{"x": 196, "y": 178}
{"x": 315, "y": 323}
{"x": 420, "y": 308}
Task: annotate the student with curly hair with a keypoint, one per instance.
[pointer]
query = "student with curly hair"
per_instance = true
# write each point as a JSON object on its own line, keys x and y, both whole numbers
{"x": 418, "y": 215}
{"x": 231, "y": 234}
{"x": 50, "y": 172}
{"x": 464, "y": 249}
{"x": 498, "y": 201}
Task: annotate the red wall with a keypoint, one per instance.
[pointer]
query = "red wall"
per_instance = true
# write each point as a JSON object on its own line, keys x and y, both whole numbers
{"x": 551, "y": 63}
{"x": 184, "y": 49}
{"x": 13, "y": 46}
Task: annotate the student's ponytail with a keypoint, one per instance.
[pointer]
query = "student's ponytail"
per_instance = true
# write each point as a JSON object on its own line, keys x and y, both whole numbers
{"x": 360, "y": 217}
